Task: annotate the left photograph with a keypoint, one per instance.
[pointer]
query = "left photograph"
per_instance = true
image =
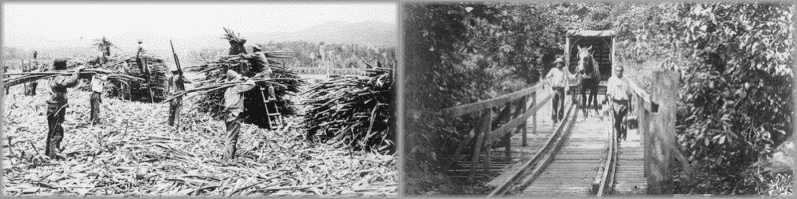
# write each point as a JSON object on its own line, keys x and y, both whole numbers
{"x": 224, "y": 100}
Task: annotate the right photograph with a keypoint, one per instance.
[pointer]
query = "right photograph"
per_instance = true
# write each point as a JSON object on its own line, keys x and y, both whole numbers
{"x": 598, "y": 99}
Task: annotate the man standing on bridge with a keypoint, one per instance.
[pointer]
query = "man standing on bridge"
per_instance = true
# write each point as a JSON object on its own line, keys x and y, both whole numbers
{"x": 618, "y": 91}
{"x": 557, "y": 77}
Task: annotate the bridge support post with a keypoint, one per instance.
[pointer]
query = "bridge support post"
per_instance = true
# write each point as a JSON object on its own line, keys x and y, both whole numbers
{"x": 488, "y": 143}
{"x": 534, "y": 115}
{"x": 662, "y": 132}
{"x": 523, "y": 107}
{"x": 481, "y": 134}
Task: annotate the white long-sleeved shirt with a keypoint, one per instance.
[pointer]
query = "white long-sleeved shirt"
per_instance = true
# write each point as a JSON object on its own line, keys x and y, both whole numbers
{"x": 618, "y": 88}
{"x": 98, "y": 83}
{"x": 557, "y": 77}
{"x": 234, "y": 97}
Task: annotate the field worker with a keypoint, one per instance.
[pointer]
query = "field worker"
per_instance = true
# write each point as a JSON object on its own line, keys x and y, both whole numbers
{"x": 33, "y": 66}
{"x": 97, "y": 85}
{"x": 557, "y": 78}
{"x": 56, "y": 106}
{"x": 619, "y": 94}
{"x": 126, "y": 66}
{"x": 35, "y": 54}
{"x": 5, "y": 70}
{"x": 141, "y": 60}
{"x": 233, "y": 107}
{"x": 176, "y": 84}
{"x": 258, "y": 60}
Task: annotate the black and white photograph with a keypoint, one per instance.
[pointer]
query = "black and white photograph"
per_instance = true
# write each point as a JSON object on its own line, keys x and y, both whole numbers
{"x": 531, "y": 99}
{"x": 219, "y": 99}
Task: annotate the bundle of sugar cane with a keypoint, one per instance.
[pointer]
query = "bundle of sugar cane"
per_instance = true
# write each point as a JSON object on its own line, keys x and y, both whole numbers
{"x": 225, "y": 61}
{"x": 36, "y": 76}
{"x": 355, "y": 110}
{"x": 223, "y": 85}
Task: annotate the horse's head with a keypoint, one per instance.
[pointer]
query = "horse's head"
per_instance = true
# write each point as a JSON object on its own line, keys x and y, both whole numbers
{"x": 586, "y": 62}
{"x": 584, "y": 54}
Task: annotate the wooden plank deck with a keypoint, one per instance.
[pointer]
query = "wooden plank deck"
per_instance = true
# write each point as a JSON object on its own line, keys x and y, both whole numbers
{"x": 630, "y": 178}
{"x": 576, "y": 165}
{"x": 499, "y": 163}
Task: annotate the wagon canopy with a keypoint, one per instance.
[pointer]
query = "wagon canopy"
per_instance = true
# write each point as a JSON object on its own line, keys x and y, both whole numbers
{"x": 602, "y": 44}
{"x": 590, "y": 33}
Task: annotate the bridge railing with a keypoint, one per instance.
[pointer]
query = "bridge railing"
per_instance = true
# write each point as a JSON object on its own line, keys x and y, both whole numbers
{"x": 657, "y": 127}
{"x": 499, "y": 118}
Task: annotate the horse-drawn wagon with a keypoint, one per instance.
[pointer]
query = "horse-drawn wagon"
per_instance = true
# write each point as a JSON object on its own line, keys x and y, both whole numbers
{"x": 589, "y": 54}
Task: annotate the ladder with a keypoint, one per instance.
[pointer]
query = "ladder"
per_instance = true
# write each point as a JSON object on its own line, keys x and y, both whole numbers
{"x": 272, "y": 111}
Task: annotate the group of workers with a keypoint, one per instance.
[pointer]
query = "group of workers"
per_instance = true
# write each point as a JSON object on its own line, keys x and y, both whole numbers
{"x": 233, "y": 98}
{"x": 618, "y": 94}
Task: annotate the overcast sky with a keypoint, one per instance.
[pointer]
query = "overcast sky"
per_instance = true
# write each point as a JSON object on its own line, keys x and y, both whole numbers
{"x": 31, "y": 25}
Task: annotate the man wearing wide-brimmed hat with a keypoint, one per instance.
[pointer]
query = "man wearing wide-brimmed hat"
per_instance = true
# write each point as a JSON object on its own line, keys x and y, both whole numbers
{"x": 176, "y": 84}
{"x": 56, "y": 106}
{"x": 557, "y": 77}
{"x": 233, "y": 107}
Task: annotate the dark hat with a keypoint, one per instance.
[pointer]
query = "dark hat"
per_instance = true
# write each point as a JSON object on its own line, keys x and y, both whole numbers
{"x": 60, "y": 63}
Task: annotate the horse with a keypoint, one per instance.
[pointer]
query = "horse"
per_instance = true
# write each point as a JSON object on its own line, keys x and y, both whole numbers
{"x": 589, "y": 74}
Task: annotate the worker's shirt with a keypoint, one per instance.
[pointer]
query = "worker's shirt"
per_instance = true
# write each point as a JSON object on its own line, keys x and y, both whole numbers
{"x": 258, "y": 59}
{"x": 98, "y": 83}
{"x": 176, "y": 83}
{"x": 618, "y": 88}
{"x": 141, "y": 50}
{"x": 234, "y": 97}
{"x": 556, "y": 77}
{"x": 58, "y": 86}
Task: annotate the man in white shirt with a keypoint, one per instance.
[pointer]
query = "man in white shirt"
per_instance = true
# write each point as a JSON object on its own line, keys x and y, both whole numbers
{"x": 97, "y": 85}
{"x": 233, "y": 107}
{"x": 557, "y": 77}
{"x": 618, "y": 93}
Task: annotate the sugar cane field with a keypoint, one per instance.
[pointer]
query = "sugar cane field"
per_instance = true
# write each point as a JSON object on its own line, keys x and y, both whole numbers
{"x": 134, "y": 152}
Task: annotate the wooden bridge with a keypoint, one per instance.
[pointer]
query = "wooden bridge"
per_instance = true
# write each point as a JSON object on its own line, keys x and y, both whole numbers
{"x": 523, "y": 154}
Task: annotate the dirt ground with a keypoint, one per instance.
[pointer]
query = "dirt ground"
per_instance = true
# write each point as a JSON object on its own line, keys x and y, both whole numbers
{"x": 135, "y": 153}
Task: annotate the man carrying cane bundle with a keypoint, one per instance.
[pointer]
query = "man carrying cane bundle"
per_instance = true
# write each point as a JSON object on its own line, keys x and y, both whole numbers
{"x": 5, "y": 70}
{"x": 33, "y": 66}
{"x": 233, "y": 107}
{"x": 56, "y": 107}
{"x": 176, "y": 84}
{"x": 618, "y": 94}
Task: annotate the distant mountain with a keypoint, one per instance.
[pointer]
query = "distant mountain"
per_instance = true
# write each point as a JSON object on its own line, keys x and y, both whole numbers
{"x": 369, "y": 33}
{"x": 364, "y": 33}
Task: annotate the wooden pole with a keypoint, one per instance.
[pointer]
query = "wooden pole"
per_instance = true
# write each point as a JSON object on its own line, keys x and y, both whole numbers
{"x": 642, "y": 121}
{"x": 662, "y": 131}
{"x": 484, "y": 124}
{"x": 794, "y": 95}
{"x": 488, "y": 143}
{"x": 524, "y": 104}
{"x": 534, "y": 115}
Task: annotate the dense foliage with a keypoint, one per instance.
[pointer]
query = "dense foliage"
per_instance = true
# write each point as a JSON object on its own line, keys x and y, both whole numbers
{"x": 737, "y": 96}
